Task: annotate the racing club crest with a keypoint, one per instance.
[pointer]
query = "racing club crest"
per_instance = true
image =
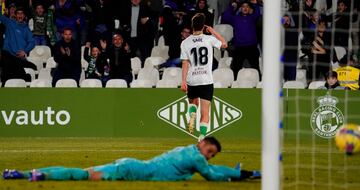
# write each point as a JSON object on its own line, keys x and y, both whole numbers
{"x": 327, "y": 118}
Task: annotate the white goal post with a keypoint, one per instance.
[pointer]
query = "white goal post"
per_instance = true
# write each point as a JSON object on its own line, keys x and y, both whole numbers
{"x": 271, "y": 102}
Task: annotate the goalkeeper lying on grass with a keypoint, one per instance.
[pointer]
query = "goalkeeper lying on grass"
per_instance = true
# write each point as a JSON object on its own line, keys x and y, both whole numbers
{"x": 175, "y": 165}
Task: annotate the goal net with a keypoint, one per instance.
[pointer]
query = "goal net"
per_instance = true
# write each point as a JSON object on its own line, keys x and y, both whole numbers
{"x": 323, "y": 34}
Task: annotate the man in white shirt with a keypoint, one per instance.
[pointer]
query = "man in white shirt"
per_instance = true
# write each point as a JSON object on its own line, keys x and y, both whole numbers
{"x": 197, "y": 79}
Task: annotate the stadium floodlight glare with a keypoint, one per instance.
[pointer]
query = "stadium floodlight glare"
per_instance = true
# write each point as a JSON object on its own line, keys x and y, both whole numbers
{"x": 270, "y": 163}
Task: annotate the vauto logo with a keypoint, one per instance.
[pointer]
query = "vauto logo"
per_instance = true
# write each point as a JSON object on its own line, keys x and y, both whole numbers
{"x": 222, "y": 114}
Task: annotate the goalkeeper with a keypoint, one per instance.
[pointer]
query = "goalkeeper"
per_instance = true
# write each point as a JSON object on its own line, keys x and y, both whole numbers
{"x": 175, "y": 165}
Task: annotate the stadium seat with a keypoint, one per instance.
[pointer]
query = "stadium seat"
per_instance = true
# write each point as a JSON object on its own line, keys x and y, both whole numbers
{"x": 340, "y": 52}
{"x": 226, "y": 53}
{"x": 301, "y": 76}
{"x": 31, "y": 24}
{"x": 161, "y": 41}
{"x": 242, "y": 84}
{"x": 150, "y": 74}
{"x": 31, "y": 72}
{"x": 116, "y": 83}
{"x": 36, "y": 61}
{"x": 294, "y": 85}
{"x": 41, "y": 52}
{"x": 45, "y": 74}
{"x": 217, "y": 54}
{"x": 84, "y": 64}
{"x": 135, "y": 66}
{"x": 141, "y": 83}
{"x": 152, "y": 62}
{"x": 91, "y": 83}
{"x": 15, "y": 83}
{"x": 173, "y": 73}
{"x": 248, "y": 74}
{"x": 225, "y": 62}
{"x": 160, "y": 51}
{"x": 225, "y": 76}
{"x": 218, "y": 85}
{"x": 259, "y": 84}
{"x": 82, "y": 76}
{"x": 66, "y": 83}
{"x": 316, "y": 84}
{"x": 225, "y": 30}
{"x": 50, "y": 63}
{"x": 166, "y": 83}
{"x": 40, "y": 83}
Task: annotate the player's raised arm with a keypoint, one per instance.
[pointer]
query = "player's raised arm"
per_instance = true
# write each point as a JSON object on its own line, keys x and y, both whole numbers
{"x": 211, "y": 30}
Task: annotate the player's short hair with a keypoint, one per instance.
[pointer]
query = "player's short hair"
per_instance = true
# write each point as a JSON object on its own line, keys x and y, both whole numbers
{"x": 213, "y": 141}
{"x": 198, "y": 21}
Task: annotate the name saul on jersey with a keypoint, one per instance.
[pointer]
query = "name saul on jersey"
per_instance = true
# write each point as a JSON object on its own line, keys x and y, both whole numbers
{"x": 35, "y": 117}
{"x": 326, "y": 119}
{"x": 222, "y": 114}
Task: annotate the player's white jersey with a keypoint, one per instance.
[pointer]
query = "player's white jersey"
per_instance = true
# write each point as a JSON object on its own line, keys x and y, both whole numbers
{"x": 198, "y": 49}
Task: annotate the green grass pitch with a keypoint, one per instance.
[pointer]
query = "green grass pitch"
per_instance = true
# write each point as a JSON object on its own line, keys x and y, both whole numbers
{"x": 28, "y": 153}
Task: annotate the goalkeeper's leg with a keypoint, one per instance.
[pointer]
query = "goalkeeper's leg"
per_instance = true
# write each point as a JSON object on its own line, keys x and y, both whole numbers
{"x": 49, "y": 173}
{"x": 58, "y": 173}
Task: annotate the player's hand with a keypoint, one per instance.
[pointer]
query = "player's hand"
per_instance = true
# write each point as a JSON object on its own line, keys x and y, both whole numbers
{"x": 88, "y": 44}
{"x": 184, "y": 87}
{"x": 209, "y": 29}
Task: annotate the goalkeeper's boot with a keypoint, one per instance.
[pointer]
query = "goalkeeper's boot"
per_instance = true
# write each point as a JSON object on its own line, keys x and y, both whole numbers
{"x": 255, "y": 175}
{"x": 36, "y": 176}
{"x": 12, "y": 174}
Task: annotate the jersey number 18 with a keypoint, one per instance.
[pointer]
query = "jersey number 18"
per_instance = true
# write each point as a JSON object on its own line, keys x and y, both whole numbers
{"x": 200, "y": 55}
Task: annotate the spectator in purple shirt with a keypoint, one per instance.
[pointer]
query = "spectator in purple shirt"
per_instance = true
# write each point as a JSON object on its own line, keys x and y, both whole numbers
{"x": 243, "y": 18}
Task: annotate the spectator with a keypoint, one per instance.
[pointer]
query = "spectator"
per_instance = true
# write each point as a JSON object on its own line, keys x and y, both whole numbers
{"x": 10, "y": 11}
{"x": 119, "y": 57}
{"x": 98, "y": 67}
{"x": 67, "y": 15}
{"x": 348, "y": 75}
{"x": 319, "y": 56}
{"x": 332, "y": 82}
{"x": 341, "y": 24}
{"x": 202, "y": 7}
{"x": 243, "y": 17}
{"x": 142, "y": 31}
{"x": 17, "y": 44}
{"x": 174, "y": 49}
{"x": 173, "y": 23}
{"x": 67, "y": 56}
{"x": 290, "y": 55}
{"x": 219, "y": 6}
{"x": 101, "y": 21}
{"x": 39, "y": 18}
